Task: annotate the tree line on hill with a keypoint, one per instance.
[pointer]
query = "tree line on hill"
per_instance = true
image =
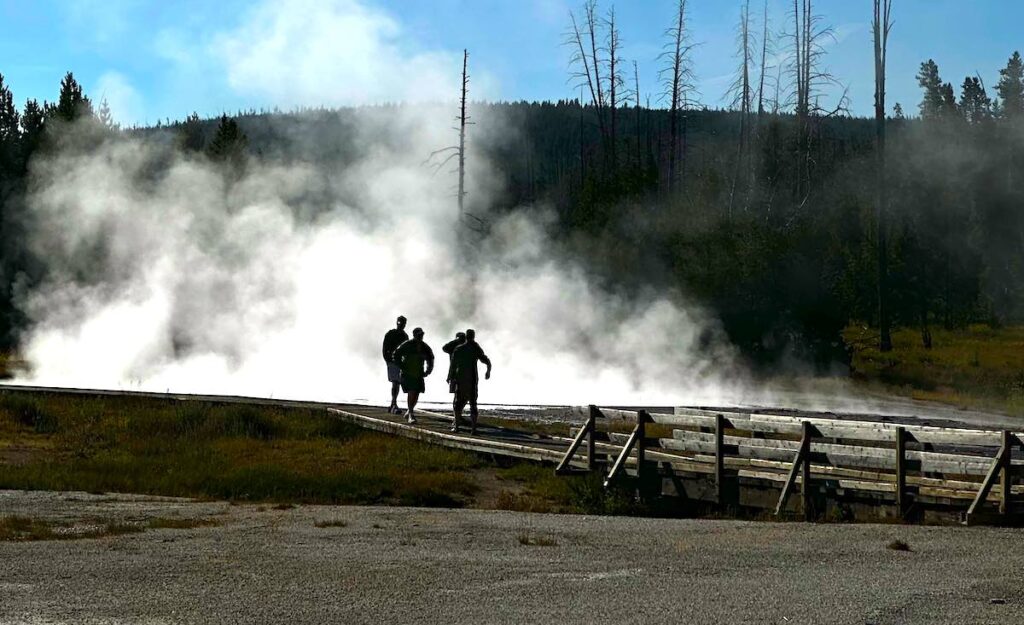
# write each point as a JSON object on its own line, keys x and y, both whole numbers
{"x": 765, "y": 212}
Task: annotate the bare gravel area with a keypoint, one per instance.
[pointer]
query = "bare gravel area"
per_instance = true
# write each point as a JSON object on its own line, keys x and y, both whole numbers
{"x": 261, "y": 564}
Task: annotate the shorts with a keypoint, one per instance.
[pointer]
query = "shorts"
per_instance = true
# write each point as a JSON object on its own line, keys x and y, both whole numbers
{"x": 394, "y": 373}
{"x": 466, "y": 392}
{"x": 413, "y": 385}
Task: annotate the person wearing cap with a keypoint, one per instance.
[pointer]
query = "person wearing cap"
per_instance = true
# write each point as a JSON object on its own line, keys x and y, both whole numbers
{"x": 467, "y": 378}
{"x": 394, "y": 337}
{"x": 412, "y": 356}
{"x": 449, "y": 348}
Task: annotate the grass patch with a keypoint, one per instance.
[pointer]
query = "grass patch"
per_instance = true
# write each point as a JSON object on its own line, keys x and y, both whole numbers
{"x": 977, "y": 367}
{"x": 24, "y": 529}
{"x": 221, "y": 451}
{"x": 335, "y": 523}
{"x": 284, "y": 506}
{"x": 161, "y": 523}
{"x": 532, "y": 540}
{"x": 898, "y": 545}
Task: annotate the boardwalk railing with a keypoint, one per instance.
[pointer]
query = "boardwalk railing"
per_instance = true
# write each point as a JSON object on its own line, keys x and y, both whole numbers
{"x": 908, "y": 465}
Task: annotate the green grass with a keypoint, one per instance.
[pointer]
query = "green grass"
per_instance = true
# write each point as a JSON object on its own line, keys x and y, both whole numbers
{"x": 531, "y": 540}
{"x": 978, "y": 367}
{"x": 233, "y": 452}
{"x": 20, "y": 528}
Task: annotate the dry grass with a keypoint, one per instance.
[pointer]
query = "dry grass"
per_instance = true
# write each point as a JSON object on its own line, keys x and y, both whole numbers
{"x": 22, "y": 529}
{"x": 335, "y": 523}
{"x": 180, "y": 524}
{"x": 978, "y": 367}
{"x": 898, "y": 545}
{"x": 532, "y": 540}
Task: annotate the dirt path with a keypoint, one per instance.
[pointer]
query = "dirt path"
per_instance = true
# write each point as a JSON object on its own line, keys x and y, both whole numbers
{"x": 400, "y": 565}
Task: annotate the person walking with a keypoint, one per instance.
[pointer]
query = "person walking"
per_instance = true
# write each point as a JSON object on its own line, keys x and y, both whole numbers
{"x": 411, "y": 357}
{"x": 467, "y": 378}
{"x": 449, "y": 348}
{"x": 392, "y": 339}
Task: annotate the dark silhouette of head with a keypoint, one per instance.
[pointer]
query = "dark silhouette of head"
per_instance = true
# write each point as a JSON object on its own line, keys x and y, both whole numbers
{"x": 417, "y": 334}
{"x": 401, "y": 323}
{"x": 460, "y": 336}
{"x": 470, "y": 335}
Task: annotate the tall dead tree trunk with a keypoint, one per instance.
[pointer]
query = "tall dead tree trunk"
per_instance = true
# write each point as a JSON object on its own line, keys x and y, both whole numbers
{"x": 741, "y": 99}
{"x": 636, "y": 80}
{"x": 676, "y": 79}
{"x": 614, "y": 79}
{"x": 764, "y": 62}
{"x": 881, "y": 25}
{"x": 462, "y": 135}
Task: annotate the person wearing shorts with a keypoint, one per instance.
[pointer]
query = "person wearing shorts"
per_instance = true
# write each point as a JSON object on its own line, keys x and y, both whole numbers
{"x": 449, "y": 348}
{"x": 394, "y": 337}
{"x": 416, "y": 360}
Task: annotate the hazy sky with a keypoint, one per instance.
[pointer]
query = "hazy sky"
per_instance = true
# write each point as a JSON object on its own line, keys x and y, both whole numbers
{"x": 165, "y": 59}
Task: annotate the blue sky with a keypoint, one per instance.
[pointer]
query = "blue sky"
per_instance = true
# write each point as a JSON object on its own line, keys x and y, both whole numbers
{"x": 165, "y": 59}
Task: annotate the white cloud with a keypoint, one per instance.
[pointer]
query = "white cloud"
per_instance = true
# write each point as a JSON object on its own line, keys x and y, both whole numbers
{"x": 333, "y": 52}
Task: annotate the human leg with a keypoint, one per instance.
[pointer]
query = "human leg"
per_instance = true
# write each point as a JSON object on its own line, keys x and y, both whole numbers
{"x": 410, "y": 415}
{"x": 394, "y": 398}
{"x": 457, "y": 406}
{"x": 472, "y": 411}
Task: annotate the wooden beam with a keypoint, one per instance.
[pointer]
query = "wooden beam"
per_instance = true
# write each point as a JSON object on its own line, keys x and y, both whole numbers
{"x": 720, "y": 459}
{"x": 901, "y": 471}
{"x": 1000, "y": 461}
{"x": 586, "y": 430}
{"x": 595, "y": 413}
{"x": 1006, "y": 497}
{"x": 642, "y": 417}
{"x": 805, "y": 482}
{"x": 798, "y": 461}
{"x": 620, "y": 462}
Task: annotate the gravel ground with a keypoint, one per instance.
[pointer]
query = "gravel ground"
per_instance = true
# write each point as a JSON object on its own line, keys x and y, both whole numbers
{"x": 401, "y": 565}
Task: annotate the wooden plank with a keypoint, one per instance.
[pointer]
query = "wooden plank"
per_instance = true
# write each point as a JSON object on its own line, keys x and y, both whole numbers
{"x": 849, "y": 428}
{"x": 805, "y": 485}
{"x": 449, "y": 440}
{"x": 830, "y": 453}
{"x": 800, "y": 459}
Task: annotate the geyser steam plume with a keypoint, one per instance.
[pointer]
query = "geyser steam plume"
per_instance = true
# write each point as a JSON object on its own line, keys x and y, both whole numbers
{"x": 165, "y": 275}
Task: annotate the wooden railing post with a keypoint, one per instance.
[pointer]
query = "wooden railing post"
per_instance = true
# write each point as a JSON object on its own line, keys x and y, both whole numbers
{"x": 642, "y": 417}
{"x": 595, "y": 412}
{"x": 720, "y": 459}
{"x": 901, "y": 470}
{"x": 1006, "y": 500}
{"x": 805, "y": 486}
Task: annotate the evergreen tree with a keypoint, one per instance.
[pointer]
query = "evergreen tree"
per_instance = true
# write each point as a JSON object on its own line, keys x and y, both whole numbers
{"x": 1011, "y": 88}
{"x": 975, "y": 104}
{"x": 32, "y": 122}
{"x": 10, "y": 131}
{"x": 928, "y": 78}
{"x": 72, "y": 103}
{"x": 190, "y": 134}
{"x": 897, "y": 113}
{"x": 229, "y": 145}
{"x": 106, "y": 118}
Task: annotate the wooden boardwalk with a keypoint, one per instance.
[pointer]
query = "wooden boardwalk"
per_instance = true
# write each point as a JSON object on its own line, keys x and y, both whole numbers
{"x": 734, "y": 459}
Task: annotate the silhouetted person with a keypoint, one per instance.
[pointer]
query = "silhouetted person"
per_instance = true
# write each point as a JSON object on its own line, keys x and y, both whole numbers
{"x": 394, "y": 337}
{"x": 449, "y": 348}
{"x": 411, "y": 357}
{"x": 467, "y": 379}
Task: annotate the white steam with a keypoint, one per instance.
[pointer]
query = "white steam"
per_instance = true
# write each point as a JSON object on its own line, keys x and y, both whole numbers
{"x": 163, "y": 276}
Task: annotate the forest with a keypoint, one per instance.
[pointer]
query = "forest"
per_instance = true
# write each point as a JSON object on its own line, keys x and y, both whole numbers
{"x": 788, "y": 218}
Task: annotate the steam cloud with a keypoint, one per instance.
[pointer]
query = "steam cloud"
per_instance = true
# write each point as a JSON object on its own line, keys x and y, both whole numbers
{"x": 165, "y": 277}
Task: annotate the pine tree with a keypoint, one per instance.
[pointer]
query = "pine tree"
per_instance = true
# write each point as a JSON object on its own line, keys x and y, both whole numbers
{"x": 106, "y": 118}
{"x": 928, "y": 78}
{"x": 229, "y": 145}
{"x": 1011, "y": 88}
{"x": 190, "y": 135}
{"x": 10, "y": 131}
{"x": 72, "y": 103}
{"x": 975, "y": 104}
{"x": 32, "y": 124}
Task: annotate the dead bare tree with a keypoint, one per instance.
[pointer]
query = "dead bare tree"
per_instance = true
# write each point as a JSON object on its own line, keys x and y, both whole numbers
{"x": 636, "y": 81}
{"x": 678, "y": 80}
{"x": 741, "y": 96}
{"x": 446, "y": 154}
{"x": 765, "y": 39}
{"x": 881, "y": 24}
{"x": 616, "y": 95}
{"x": 810, "y": 78}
